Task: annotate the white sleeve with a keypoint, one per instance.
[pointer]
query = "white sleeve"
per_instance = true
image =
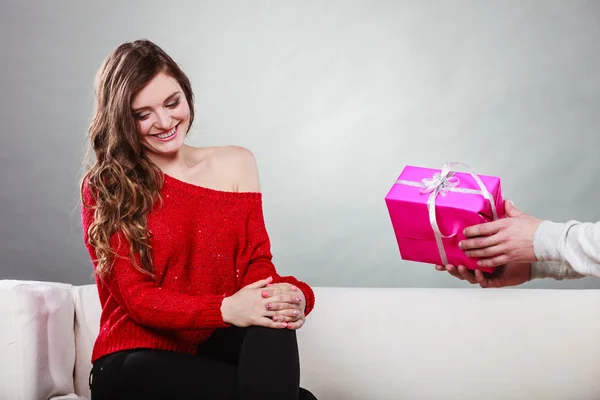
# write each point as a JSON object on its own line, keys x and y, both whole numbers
{"x": 571, "y": 244}
{"x": 553, "y": 269}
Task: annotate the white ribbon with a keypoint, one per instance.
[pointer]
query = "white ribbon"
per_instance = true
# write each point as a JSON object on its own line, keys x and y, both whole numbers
{"x": 442, "y": 183}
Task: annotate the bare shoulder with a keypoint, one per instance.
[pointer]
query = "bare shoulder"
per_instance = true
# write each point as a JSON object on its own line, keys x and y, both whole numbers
{"x": 239, "y": 164}
{"x": 235, "y": 166}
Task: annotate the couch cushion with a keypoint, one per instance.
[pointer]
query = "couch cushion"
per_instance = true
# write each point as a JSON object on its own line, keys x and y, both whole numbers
{"x": 87, "y": 325}
{"x": 37, "y": 345}
{"x": 403, "y": 343}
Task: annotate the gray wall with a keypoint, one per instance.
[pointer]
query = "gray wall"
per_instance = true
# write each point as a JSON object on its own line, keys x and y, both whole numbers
{"x": 333, "y": 97}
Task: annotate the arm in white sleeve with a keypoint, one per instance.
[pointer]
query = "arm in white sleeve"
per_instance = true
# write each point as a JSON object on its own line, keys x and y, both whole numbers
{"x": 553, "y": 269}
{"x": 571, "y": 244}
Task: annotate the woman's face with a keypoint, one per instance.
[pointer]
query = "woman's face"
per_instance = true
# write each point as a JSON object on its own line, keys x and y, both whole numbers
{"x": 162, "y": 114}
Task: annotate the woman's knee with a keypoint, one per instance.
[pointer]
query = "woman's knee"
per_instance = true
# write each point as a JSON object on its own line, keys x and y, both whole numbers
{"x": 278, "y": 333}
{"x": 282, "y": 338}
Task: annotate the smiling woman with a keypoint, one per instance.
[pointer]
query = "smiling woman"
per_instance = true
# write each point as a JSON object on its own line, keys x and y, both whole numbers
{"x": 192, "y": 304}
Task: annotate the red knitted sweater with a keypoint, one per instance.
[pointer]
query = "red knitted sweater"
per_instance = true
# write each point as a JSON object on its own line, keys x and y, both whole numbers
{"x": 207, "y": 244}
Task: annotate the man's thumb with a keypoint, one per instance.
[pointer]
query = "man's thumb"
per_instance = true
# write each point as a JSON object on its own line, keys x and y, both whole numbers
{"x": 511, "y": 210}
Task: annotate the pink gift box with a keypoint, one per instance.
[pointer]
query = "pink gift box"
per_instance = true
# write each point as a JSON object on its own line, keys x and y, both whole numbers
{"x": 457, "y": 201}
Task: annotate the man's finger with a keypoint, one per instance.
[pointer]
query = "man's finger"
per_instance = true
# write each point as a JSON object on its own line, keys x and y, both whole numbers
{"x": 479, "y": 242}
{"x": 511, "y": 210}
{"x": 486, "y": 229}
{"x": 454, "y": 272}
{"x": 468, "y": 275}
{"x": 486, "y": 252}
{"x": 494, "y": 261}
{"x": 481, "y": 279}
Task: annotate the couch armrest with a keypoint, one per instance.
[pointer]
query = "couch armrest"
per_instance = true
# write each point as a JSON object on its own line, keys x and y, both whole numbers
{"x": 87, "y": 326}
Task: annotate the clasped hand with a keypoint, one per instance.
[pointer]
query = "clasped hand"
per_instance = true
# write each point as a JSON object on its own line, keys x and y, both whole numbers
{"x": 262, "y": 303}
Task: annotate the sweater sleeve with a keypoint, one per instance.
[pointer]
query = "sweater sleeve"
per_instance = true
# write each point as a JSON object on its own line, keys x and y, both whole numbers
{"x": 553, "y": 269}
{"x": 258, "y": 257}
{"x": 571, "y": 244}
{"x": 143, "y": 299}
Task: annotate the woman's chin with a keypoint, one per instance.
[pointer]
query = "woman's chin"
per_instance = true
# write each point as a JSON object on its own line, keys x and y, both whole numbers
{"x": 168, "y": 149}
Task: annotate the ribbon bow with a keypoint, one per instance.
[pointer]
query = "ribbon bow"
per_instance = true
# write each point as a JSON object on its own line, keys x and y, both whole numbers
{"x": 441, "y": 183}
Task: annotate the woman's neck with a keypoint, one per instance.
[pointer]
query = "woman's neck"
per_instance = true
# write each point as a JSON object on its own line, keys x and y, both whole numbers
{"x": 172, "y": 164}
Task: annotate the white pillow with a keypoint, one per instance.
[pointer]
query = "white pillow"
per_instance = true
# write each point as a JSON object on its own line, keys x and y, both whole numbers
{"x": 37, "y": 344}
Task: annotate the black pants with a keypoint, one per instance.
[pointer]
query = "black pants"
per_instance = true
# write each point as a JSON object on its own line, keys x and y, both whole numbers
{"x": 234, "y": 363}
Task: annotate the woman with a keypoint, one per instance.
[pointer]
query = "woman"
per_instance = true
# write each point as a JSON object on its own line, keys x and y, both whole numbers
{"x": 523, "y": 248}
{"x": 192, "y": 306}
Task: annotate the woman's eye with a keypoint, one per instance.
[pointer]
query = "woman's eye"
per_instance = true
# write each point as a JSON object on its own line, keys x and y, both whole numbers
{"x": 142, "y": 116}
{"x": 173, "y": 104}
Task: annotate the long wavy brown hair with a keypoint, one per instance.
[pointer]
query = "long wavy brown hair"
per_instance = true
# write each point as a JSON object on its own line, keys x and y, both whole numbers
{"x": 124, "y": 183}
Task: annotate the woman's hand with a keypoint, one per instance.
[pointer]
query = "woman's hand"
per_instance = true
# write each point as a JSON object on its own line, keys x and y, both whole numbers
{"x": 511, "y": 274}
{"x": 288, "y": 302}
{"x": 248, "y": 307}
{"x": 508, "y": 240}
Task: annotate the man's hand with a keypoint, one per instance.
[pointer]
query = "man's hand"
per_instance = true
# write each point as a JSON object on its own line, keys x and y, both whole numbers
{"x": 512, "y": 274}
{"x": 508, "y": 240}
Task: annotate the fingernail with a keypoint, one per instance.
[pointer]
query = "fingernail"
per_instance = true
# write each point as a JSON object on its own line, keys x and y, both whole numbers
{"x": 275, "y": 318}
{"x": 298, "y": 299}
{"x": 269, "y": 306}
{"x": 296, "y": 312}
{"x": 284, "y": 324}
{"x": 460, "y": 245}
{"x": 294, "y": 287}
{"x": 265, "y": 293}
{"x": 269, "y": 284}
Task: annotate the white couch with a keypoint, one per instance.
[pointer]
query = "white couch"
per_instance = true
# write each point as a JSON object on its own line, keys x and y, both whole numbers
{"x": 359, "y": 343}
